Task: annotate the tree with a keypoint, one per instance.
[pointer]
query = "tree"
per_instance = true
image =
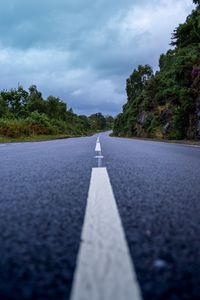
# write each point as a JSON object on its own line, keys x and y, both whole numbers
{"x": 15, "y": 100}
{"x": 55, "y": 108}
{"x": 188, "y": 33}
{"x": 136, "y": 82}
{"x": 109, "y": 122}
{"x": 35, "y": 101}
{"x": 3, "y": 107}
{"x": 97, "y": 121}
{"x": 84, "y": 123}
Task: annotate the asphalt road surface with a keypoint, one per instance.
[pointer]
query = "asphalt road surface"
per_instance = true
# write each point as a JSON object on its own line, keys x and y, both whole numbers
{"x": 43, "y": 195}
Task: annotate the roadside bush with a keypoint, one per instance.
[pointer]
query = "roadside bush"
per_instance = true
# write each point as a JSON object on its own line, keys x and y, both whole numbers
{"x": 13, "y": 128}
{"x": 39, "y": 123}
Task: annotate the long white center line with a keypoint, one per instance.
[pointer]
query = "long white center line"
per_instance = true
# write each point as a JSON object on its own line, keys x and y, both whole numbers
{"x": 104, "y": 267}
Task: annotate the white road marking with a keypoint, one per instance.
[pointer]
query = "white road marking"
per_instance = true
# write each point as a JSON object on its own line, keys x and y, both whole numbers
{"x": 104, "y": 267}
{"x": 98, "y": 147}
{"x": 99, "y": 156}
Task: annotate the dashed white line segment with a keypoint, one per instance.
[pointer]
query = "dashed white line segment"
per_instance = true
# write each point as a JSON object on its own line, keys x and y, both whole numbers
{"x": 104, "y": 267}
{"x": 98, "y": 147}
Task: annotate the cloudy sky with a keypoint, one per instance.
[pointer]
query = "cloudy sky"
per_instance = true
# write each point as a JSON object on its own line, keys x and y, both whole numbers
{"x": 83, "y": 50}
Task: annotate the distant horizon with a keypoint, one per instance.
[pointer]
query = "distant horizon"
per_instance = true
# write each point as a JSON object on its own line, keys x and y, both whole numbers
{"x": 83, "y": 52}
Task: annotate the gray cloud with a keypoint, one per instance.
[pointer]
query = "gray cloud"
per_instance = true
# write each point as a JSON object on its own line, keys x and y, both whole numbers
{"x": 82, "y": 51}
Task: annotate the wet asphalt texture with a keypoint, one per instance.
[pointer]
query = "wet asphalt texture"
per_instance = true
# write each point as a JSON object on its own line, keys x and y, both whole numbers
{"x": 43, "y": 193}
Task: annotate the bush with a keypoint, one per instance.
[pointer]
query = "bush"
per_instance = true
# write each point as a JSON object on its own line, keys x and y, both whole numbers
{"x": 13, "y": 128}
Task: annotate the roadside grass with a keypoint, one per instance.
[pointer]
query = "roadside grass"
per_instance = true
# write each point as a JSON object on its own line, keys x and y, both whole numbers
{"x": 42, "y": 137}
{"x": 35, "y": 138}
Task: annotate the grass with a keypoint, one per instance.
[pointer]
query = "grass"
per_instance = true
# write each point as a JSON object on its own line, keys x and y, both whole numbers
{"x": 43, "y": 137}
{"x": 34, "y": 138}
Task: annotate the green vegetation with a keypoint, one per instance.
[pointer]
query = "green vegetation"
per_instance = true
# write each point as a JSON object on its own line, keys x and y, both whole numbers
{"x": 33, "y": 138}
{"x": 27, "y": 116}
{"x": 166, "y": 104}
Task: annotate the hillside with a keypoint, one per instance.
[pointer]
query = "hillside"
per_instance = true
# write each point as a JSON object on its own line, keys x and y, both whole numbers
{"x": 166, "y": 104}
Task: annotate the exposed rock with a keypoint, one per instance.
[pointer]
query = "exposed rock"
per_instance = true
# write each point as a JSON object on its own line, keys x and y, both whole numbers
{"x": 142, "y": 118}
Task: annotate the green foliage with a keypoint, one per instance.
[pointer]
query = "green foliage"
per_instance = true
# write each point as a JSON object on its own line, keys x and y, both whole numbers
{"x": 15, "y": 102}
{"x": 3, "y": 107}
{"x": 97, "y": 121}
{"x": 164, "y": 104}
{"x": 55, "y": 108}
{"x": 35, "y": 101}
{"x": 25, "y": 113}
{"x": 109, "y": 122}
{"x": 13, "y": 128}
{"x": 84, "y": 123}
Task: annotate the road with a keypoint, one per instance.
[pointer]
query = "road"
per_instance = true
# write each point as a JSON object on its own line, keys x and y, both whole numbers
{"x": 43, "y": 197}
